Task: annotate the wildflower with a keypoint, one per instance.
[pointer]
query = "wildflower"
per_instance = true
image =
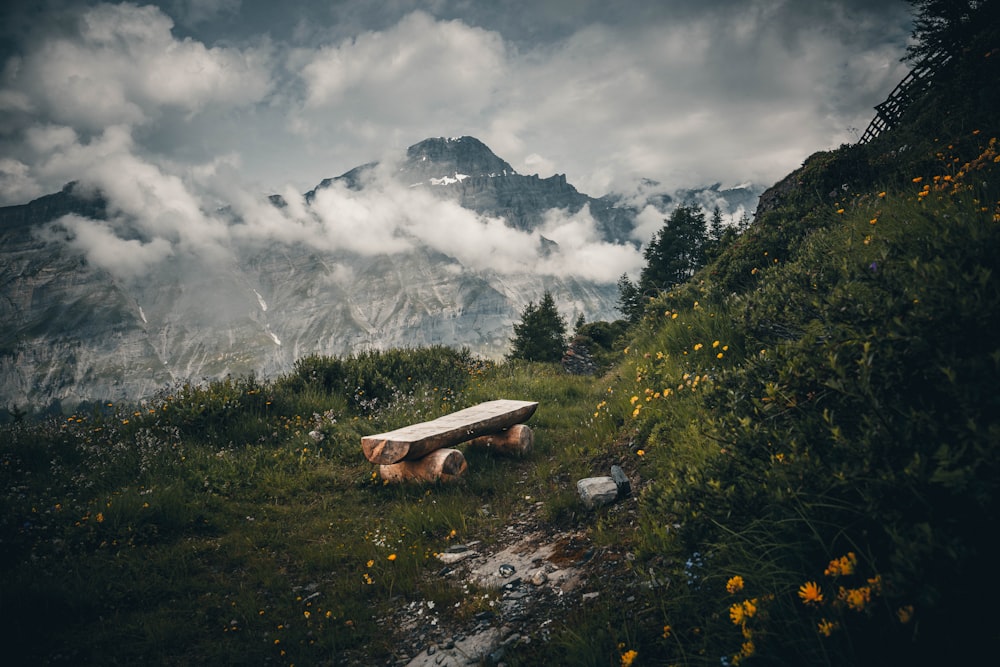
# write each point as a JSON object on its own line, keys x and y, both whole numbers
{"x": 810, "y": 593}
{"x": 826, "y": 627}
{"x": 100, "y": 517}
{"x": 840, "y": 211}
{"x": 873, "y": 221}
{"x": 881, "y": 195}
{"x": 666, "y": 631}
{"x": 918, "y": 179}
{"x": 734, "y": 585}
{"x": 392, "y": 557}
{"x": 306, "y": 614}
{"x": 715, "y": 343}
{"x": 856, "y": 598}
{"x": 842, "y": 566}
{"x": 641, "y": 452}
{"x": 697, "y": 346}
{"x": 737, "y": 614}
{"x": 628, "y": 657}
{"x": 905, "y": 613}
{"x": 719, "y": 355}
{"x": 633, "y": 400}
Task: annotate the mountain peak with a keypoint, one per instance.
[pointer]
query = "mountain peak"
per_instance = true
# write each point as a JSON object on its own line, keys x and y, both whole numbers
{"x": 440, "y": 157}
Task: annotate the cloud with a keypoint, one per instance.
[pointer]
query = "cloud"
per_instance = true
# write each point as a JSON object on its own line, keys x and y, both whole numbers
{"x": 420, "y": 71}
{"x": 104, "y": 249}
{"x": 388, "y": 217}
{"x": 685, "y": 92}
{"x": 118, "y": 65}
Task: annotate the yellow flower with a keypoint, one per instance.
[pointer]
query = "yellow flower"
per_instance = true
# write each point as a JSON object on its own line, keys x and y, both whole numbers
{"x": 842, "y": 566}
{"x": 641, "y": 452}
{"x": 666, "y": 631}
{"x": 736, "y": 613}
{"x": 734, "y": 585}
{"x": 826, "y": 627}
{"x": 918, "y": 179}
{"x": 881, "y": 195}
{"x": 697, "y": 346}
{"x": 633, "y": 400}
{"x": 719, "y": 355}
{"x": 715, "y": 343}
{"x": 306, "y": 614}
{"x": 810, "y": 593}
{"x": 392, "y": 557}
{"x": 905, "y": 613}
{"x": 856, "y": 598}
{"x": 628, "y": 657}
{"x": 100, "y": 517}
{"x": 370, "y": 563}
{"x": 840, "y": 210}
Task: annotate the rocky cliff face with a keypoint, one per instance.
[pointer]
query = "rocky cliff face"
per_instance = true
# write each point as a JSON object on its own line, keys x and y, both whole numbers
{"x": 74, "y": 332}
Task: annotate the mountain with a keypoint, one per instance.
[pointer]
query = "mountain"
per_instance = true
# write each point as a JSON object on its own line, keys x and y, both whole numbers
{"x": 446, "y": 246}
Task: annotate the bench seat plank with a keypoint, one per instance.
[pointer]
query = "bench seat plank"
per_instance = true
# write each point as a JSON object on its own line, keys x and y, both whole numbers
{"x": 417, "y": 440}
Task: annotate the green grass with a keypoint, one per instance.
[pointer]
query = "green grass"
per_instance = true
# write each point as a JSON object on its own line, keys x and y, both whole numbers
{"x": 200, "y": 528}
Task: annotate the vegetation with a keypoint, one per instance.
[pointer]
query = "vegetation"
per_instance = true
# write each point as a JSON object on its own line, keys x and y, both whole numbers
{"x": 811, "y": 423}
{"x": 541, "y": 333}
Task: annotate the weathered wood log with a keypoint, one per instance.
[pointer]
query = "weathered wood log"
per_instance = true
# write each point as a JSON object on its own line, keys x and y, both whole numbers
{"x": 515, "y": 441}
{"x": 441, "y": 465}
{"x": 416, "y": 441}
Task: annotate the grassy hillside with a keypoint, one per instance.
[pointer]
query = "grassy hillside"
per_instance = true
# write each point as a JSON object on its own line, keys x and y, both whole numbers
{"x": 811, "y": 425}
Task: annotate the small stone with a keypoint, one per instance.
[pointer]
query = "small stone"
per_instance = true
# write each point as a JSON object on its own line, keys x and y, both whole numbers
{"x": 452, "y": 558}
{"x": 587, "y": 597}
{"x": 506, "y": 570}
{"x": 621, "y": 479}
{"x": 597, "y": 491}
{"x": 539, "y": 578}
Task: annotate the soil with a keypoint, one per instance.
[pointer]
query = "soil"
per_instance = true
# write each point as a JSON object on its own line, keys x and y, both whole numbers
{"x": 523, "y": 586}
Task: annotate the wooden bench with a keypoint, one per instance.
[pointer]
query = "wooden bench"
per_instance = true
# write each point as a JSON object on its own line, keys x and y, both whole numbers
{"x": 424, "y": 451}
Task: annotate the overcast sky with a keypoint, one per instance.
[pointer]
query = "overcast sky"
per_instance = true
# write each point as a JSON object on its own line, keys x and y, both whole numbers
{"x": 278, "y": 94}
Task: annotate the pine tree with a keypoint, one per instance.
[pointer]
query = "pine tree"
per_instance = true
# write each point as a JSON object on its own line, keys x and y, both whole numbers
{"x": 541, "y": 333}
{"x": 948, "y": 25}
{"x": 675, "y": 252}
{"x": 629, "y": 299}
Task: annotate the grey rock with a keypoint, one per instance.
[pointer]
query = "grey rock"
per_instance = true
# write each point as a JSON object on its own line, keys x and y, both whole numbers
{"x": 621, "y": 480}
{"x": 597, "y": 491}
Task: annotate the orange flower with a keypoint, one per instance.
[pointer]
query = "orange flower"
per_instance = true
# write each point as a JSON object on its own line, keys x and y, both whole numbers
{"x": 810, "y": 593}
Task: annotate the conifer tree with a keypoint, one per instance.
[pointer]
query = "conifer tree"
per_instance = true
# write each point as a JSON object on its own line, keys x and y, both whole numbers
{"x": 629, "y": 299}
{"x": 676, "y": 251}
{"x": 541, "y": 333}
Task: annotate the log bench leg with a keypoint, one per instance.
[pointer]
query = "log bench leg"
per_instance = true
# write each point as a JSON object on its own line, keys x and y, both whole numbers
{"x": 440, "y": 465}
{"x": 515, "y": 441}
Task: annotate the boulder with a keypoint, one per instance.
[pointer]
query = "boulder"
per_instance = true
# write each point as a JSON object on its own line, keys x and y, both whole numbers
{"x": 597, "y": 491}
